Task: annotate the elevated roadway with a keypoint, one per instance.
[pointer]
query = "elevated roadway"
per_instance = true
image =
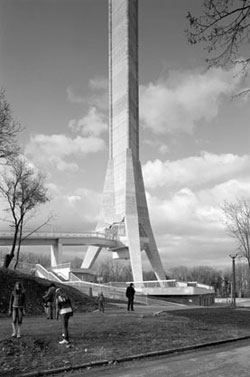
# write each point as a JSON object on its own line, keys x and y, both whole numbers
{"x": 66, "y": 239}
{"x": 57, "y": 240}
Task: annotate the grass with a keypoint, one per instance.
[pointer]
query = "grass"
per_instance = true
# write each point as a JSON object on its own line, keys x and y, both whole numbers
{"x": 96, "y": 336}
{"x": 115, "y": 334}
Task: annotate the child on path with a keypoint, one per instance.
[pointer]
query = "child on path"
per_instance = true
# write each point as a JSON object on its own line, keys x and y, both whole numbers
{"x": 65, "y": 311}
{"x": 17, "y": 308}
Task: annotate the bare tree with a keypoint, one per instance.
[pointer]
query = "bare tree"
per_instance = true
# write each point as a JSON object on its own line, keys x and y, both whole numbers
{"x": 224, "y": 28}
{"x": 111, "y": 270}
{"x": 237, "y": 221}
{"x": 24, "y": 190}
{"x": 9, "y": 129}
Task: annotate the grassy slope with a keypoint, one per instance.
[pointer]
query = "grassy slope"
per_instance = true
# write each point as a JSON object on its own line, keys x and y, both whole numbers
{"x": 97, "y": 336}
{"x": 35, "y": 288}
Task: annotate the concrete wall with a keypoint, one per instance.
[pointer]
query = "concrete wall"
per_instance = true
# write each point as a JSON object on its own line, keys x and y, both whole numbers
{"x": 201, "y": 300}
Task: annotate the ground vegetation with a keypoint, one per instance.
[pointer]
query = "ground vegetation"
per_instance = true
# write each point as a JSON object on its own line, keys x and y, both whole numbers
{"x": 111, "y": 335}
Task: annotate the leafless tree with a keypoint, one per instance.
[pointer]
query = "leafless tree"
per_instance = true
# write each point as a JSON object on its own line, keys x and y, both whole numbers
{"x": 9, "y": 129}
{"x": 202, "y": 274}
{"x": 179, "y": 273}
{"x": 111, "y": 270}
{"x": 237, "y": 221}
{"x": 24, "y": 190}
{"x": 224, "y": 28}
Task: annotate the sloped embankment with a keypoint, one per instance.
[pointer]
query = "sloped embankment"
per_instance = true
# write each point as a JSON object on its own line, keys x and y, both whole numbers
{"x": 35, "y": 288}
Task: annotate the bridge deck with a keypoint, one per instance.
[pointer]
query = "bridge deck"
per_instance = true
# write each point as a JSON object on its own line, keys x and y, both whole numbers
{"x": 65, "y": 239}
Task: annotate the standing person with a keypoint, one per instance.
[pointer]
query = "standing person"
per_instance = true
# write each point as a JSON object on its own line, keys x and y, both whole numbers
{"x": 65, "y": 311}
{"x": 49, "y": 299}
{"x": 101, "y": 301}
{"x": 45, "y": 305}
{"x": 130, "y": 293}
{"x": 17, "y": 308}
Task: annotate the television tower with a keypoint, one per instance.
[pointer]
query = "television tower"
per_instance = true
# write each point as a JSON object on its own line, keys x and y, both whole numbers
{"x": 124, "y": 207}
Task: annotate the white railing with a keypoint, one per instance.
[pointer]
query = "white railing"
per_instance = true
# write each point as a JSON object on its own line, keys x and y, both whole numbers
{"x": 73, "y": 277}
{"x": 93, "y": 289}
{"x": 194, "y": 284}
{"x": 62, "y": 265}
{"x": 45, "y": 274}
{"x": 170, "y": 284}
{"x": 155, "y": 283}
{"x": 63, "y": 235}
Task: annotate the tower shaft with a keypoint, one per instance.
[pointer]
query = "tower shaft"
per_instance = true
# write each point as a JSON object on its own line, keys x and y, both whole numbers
{"x": 124, "y": 199}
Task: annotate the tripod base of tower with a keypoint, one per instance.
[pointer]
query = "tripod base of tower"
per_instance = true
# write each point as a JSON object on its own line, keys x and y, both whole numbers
{"x": 125, "y": 211}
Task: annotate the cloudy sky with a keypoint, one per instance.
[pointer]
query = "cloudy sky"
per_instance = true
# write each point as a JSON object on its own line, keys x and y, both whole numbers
{"x": 194, "y": 138}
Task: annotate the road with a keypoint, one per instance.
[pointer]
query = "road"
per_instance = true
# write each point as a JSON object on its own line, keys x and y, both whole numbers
{"x": 231, "y": 360}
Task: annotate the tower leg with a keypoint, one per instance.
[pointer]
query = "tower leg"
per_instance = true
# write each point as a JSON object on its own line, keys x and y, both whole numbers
{"x": 132, "y": 230}
{"x": 90, "y": 257}
{"x": 106, "y": 217}
{"x": 56, "y": 254}
{"x": 154, "y": 259}
{"x": 151, "y": 248}
{"x": 131, "y": 220}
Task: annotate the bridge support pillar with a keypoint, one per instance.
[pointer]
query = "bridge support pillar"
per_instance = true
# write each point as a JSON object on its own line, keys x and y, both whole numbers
{"x": 90, "y": 257}
{"x": 56, "y": 254}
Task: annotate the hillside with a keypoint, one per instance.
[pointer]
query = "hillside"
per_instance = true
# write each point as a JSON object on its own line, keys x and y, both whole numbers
{"x": 35, "y": 288}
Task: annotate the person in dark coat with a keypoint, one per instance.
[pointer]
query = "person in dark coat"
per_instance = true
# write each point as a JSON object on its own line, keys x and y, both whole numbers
{"x": 101, "y": 300}
{"x": 130, "y": 293}
{"x": 49, "y": 300}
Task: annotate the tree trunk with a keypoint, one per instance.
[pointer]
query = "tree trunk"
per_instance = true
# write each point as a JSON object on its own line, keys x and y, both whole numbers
{"x": 17, "y": 253}
{"x": 8, "y": 258}
{"x": 19, "y": 242}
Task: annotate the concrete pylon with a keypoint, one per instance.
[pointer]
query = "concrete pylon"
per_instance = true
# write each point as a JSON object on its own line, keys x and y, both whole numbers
{"x": 124, "y": 205}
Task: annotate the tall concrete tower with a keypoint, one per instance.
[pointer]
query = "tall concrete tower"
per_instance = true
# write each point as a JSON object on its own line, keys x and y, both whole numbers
{"x": 124, "y": 207}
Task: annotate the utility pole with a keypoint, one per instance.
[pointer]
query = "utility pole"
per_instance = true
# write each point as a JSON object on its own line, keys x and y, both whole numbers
{"x": 233, "y": 257}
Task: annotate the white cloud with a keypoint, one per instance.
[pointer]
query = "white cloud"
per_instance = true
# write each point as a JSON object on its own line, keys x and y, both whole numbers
{"x": 183, "y": 100}
{"x": 194, "y": 171}
{"x": 65, "y": 206}
{"x": 98, "y": 97}
{"x": 189, "y": 227}
{"x": 72, "y": 211}
{"x": 74, "y": 98}
{"x": 91, "y": 124}
{"x": 186, "y": 213}
{"x": 157, "y": 145}
{"x": 231, "y": 190}
{"x": 55, "y": 149}
{"x": 98, "y": 83}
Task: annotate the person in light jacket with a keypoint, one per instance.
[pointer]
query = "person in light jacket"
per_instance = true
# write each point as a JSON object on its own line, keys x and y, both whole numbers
{"x": 17, "y": 308}
{"x": 65, "y": 311}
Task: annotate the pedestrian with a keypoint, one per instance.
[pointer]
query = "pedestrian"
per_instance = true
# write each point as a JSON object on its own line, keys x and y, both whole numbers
{"x": 17, "y": 308}
{"x": 130, "y": 293}
{"x": 45, "y": 305}
{"x": 49, "y": 301}
{"x": 101, "y": 300}
{"x": 65, "y": 311}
